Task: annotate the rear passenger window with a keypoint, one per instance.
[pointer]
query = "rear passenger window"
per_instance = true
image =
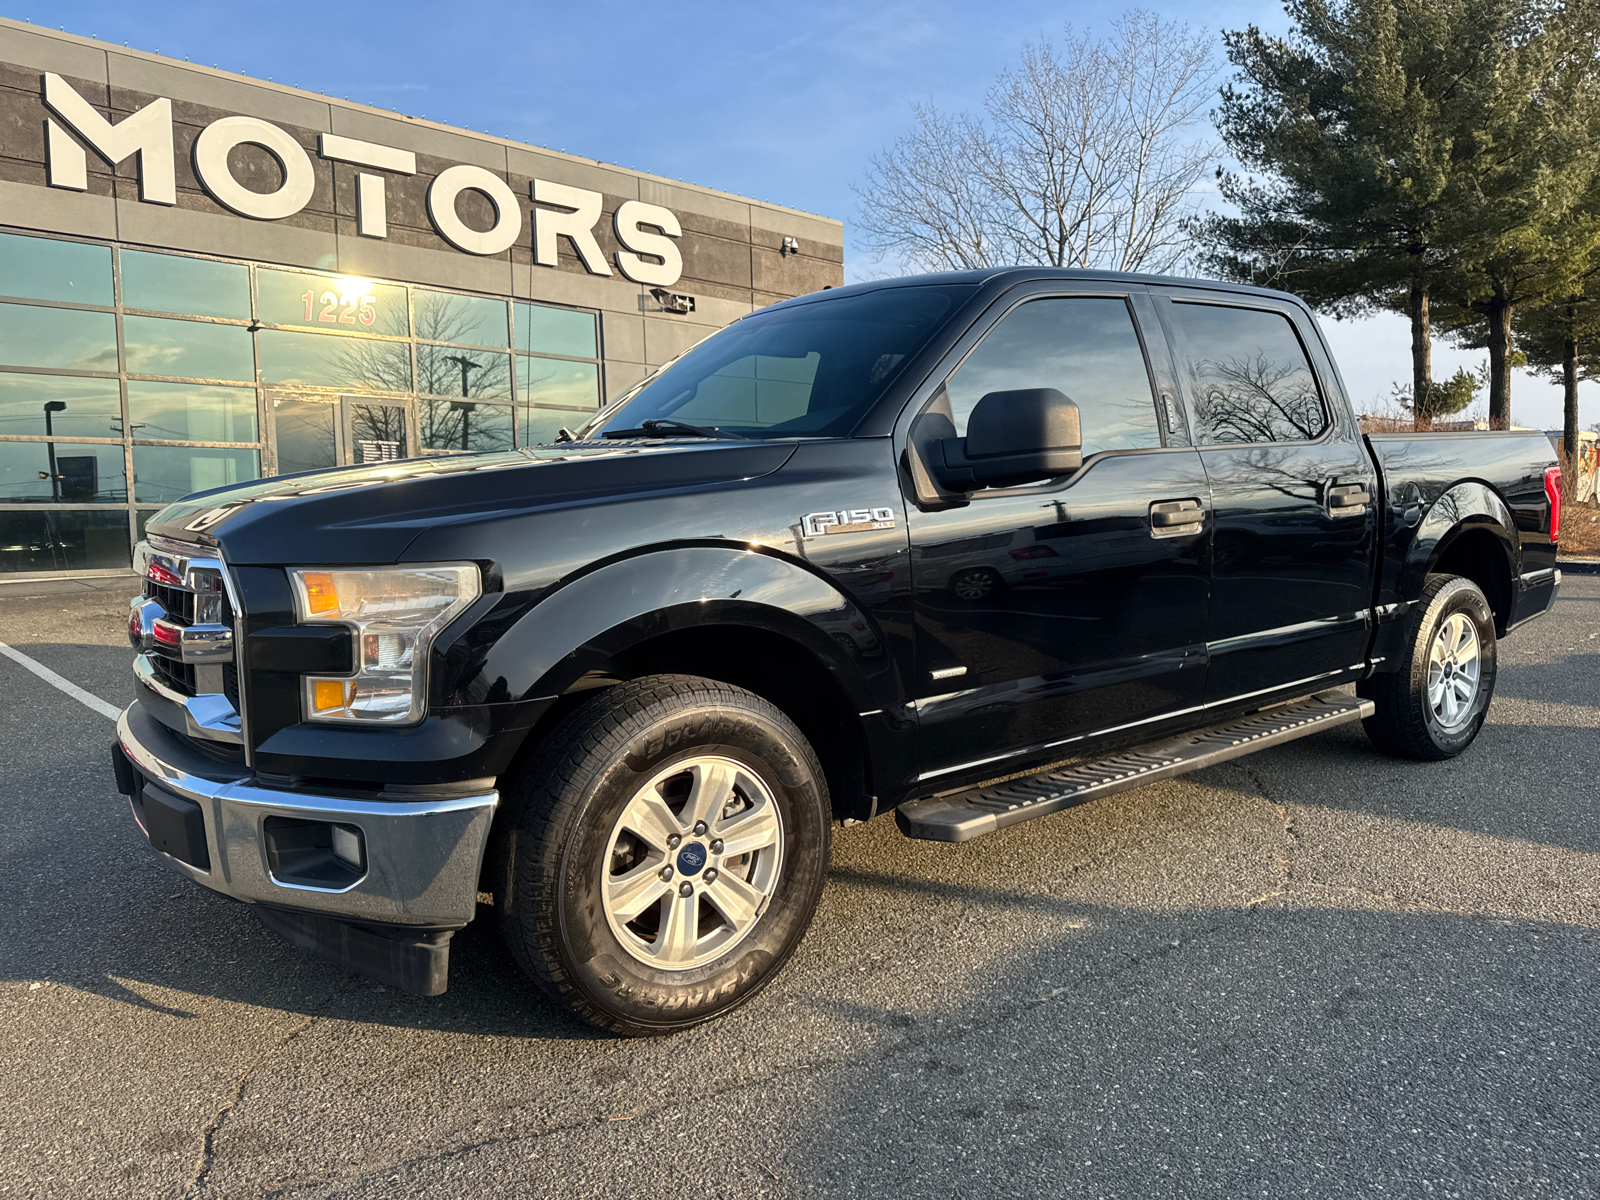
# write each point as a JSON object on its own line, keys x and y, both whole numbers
{"x": 1249, "y": 376}
{"x": 1083, "y": 346}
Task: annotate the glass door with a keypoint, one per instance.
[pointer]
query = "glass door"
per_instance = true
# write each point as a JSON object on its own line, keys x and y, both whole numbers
{"x": 375, "y": 430}
{"x": 312, "y": 431}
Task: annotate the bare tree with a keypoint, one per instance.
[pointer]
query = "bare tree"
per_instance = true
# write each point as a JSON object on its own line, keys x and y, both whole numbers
{"x": 1082, "y": 158}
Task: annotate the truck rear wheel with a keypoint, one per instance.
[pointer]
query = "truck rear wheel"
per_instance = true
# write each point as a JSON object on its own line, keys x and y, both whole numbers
{"x": 664, "y": 853}
{"x": 1434, "y": 706}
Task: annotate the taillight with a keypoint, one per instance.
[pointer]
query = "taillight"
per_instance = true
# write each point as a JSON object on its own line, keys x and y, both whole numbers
{"x": 1026, "y": 552}
{"x": 1552, "y": 491}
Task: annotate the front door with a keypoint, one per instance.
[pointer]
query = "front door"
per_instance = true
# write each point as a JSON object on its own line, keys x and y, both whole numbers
{"x": 1052, "y": 611}
{"x": 311, "y": 430}
{"x": 1294, "y": 490}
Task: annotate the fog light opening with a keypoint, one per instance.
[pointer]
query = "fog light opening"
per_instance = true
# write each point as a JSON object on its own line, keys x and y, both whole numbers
{"x": 348, "y": 847}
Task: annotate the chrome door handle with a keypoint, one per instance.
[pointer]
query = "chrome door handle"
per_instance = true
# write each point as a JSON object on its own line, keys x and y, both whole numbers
{"x": 1348, "y": 499}
{"x": 1176, "y": 518}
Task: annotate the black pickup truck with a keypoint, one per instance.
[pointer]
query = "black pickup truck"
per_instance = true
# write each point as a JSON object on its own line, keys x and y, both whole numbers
{"x": 970, "y": 547}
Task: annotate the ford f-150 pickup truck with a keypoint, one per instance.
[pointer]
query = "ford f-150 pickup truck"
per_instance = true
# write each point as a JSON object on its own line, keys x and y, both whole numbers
{"x": 971, "y": 548}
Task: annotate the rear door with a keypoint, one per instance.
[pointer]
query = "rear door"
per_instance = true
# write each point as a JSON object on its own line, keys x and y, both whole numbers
{"x": 1051, "y": 611}
{"x": 1294, "y": 491}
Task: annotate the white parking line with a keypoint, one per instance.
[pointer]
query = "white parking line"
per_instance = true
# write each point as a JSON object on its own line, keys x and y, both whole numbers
{"x": 66, "y": 685}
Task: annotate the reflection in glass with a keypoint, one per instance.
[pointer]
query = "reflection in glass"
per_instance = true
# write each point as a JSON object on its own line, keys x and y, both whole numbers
{"x": 50, "y": 269}
{"x": 1253, "y": 383}
{"x": 305, "y": 433}
{"x": 63, "y": 540}
{"x": 1084, "y": 347}
{"x": 57, "y": 337}
{"x": 540, "y": 426}
{"x": 92, "y": 407}
{"x": 464, "y": 425}
{"x": 161, "y": 346}
{"x": 757, "y": 391}
{"x": 446, "y": 317}
{"x": 452, "y": 371}
{"x": 548, "y": 381}
{"x": 341, "y": 303}
{"x": 167, "y": 473}
{"x": 377, "y": 432}
{"x": 542, "y": 330}
{"x": 192, "y": 412}
{"x": 68, "y": 472}
{"x": 172, "y": 283}
{"x": 315, "y": 360}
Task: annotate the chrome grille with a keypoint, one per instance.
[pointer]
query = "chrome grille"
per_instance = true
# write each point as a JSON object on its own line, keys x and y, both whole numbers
{"x": 183, "y": 626}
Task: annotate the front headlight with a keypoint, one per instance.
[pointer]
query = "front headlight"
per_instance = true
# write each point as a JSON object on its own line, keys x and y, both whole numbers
{"x": 395, "y": 613}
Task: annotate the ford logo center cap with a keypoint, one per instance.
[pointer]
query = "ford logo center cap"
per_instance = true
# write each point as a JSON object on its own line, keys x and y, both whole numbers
{"x": 691, "y": 858}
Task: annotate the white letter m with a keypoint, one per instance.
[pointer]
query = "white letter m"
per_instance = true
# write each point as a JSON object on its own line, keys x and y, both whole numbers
{"x": 147, "y": 133}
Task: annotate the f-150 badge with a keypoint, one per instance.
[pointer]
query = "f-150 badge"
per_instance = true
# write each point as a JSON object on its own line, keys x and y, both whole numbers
{"x": 846, "y": 520}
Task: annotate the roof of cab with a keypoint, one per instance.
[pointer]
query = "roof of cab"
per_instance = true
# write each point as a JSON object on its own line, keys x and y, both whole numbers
{"x": 1010, "y": 275}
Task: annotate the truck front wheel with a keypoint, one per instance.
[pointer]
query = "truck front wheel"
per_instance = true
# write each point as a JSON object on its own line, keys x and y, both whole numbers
{"x": 664, "y": 852}
{"x": 1434, "y": 706}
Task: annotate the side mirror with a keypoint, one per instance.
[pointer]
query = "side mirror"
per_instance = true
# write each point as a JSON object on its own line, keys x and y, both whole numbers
{"x": 1015, "y": 437}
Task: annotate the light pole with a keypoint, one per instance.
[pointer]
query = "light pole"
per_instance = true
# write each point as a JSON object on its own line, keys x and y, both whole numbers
{"x": 464, "y": 407}
{"x": 50, "y": 408}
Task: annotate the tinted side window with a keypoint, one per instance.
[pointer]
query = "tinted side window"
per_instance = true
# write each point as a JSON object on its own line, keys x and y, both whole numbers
{"x": 1249, "y": 376}
{"x": 1084, "y": 346}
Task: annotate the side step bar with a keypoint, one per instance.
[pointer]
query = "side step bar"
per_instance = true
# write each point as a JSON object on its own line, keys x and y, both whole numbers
{"x": 963, "y": 817}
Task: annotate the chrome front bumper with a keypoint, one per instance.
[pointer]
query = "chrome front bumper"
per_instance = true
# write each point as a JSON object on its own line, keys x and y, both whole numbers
{"x": 422, "y": 857}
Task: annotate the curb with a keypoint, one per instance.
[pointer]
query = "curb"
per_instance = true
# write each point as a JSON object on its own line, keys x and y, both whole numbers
{"x": 1578, "y": 566}
{"x": 29, "y": 589}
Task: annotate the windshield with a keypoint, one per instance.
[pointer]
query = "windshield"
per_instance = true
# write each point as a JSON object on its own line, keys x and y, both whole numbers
{"x": 812, "y": 370}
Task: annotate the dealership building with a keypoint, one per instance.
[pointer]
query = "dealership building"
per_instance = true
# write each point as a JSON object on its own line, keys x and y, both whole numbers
{"x": 206, "y": 278}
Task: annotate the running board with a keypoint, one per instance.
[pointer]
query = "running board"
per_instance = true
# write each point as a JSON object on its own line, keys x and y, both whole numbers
{"x": 963, "y": 817}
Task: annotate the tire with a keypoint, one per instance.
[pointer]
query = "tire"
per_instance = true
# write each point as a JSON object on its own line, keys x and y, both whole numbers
{"x": 601, "y": 821}
{"x": 1434, "y": 705}
{"x": 975, "y": 584}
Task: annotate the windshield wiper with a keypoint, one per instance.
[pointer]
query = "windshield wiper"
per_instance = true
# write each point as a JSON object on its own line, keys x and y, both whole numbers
{"x": 666, "y": 427}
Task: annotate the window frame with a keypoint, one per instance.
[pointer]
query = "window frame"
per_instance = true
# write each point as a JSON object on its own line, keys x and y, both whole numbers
{"x": 1131, "y": 294}
{"x": 1182, "y": 354}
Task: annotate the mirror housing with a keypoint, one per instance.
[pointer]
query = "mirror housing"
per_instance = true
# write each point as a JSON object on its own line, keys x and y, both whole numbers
{"x": 1015, "y": 437}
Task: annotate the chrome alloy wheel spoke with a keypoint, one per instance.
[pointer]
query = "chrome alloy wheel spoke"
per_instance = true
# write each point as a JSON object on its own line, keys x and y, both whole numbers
{"x": 1455, "y": 664}
{"x": 703, "y": 830}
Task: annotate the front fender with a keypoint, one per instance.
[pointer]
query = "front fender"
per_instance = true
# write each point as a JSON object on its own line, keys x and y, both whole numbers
{"x": 602, "y": 613}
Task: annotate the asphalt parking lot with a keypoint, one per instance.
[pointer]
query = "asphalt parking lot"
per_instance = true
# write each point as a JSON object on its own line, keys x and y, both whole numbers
{"x": 1313, "y": 972}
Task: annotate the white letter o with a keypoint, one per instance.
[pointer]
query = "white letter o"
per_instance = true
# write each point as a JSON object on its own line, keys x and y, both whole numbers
{"x": 451, "y": 183}
{"x": 211, "y": 164}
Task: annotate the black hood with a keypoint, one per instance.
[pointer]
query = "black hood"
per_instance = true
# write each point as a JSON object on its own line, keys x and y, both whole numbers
{"x": 370, "y": 514}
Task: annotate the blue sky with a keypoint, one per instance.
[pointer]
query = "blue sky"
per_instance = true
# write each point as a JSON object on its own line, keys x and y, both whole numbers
{"x": 780, "y": 102}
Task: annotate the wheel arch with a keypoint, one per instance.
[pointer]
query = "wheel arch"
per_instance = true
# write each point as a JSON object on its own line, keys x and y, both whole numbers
{"x": 1469, "y": 531}
{"x": 737, "y": 615}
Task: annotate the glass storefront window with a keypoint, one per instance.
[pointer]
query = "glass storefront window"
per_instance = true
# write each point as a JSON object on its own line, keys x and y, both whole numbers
{"x": 83, "y": 473}
{"x": 446, "y": 317}
{"x": 78, "y": 407}
{"x": 341, "y": 303}
{"x": 452, "y": 371}
{"x": 542, "y": 330}
{"x": 549, "y": 381}
{"x": 541, "y": 425}
{"x": 464, "y": 425}
{"x": 198, "y": 286}
{"x": 159, "y": 346}
{"x": 36, "y": 268}
{"x": 63, "y": 540}
{"x": 57, "y": 337}
{"x": 167, "y": 473}
{"x": 306, "y": 432}
{"x": 315, "y": 360}
{"x": 192, "y": 412}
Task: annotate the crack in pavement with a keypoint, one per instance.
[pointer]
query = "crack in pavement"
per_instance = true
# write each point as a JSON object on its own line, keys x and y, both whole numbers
{"x": 202, "y": 1173}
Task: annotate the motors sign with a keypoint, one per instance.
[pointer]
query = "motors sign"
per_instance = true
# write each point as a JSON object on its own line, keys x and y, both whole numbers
{"x": 647, "y": 232}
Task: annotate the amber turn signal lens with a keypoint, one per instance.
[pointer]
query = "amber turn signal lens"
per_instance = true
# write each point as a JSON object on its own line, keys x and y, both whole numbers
{"x": 328, "y": 694}
{"x": 321, "y": 596}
